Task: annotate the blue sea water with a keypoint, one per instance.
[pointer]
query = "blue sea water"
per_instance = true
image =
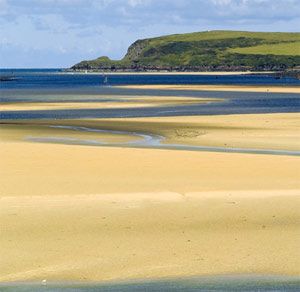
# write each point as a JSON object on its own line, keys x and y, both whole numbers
{"x": 54, "y": 85}
{"x": 56, "y": 78}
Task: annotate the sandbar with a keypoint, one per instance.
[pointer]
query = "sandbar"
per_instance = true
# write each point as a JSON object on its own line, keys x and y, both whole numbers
{"x": 241, "y": 88}
{"x": 124, "y": 102}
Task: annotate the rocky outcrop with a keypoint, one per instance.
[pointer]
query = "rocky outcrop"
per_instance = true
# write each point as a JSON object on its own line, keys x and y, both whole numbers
{"x": 135, "y": 51}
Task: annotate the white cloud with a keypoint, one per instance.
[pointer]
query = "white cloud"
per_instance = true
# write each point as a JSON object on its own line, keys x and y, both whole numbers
{"x": 76, "y": 29}
{"x": 3, "y": 7}
{"x": 134, "y": 3}
{"x": 221, "y": 2}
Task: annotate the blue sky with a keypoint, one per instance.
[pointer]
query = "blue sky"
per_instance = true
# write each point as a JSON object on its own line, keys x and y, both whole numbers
{"x": 59, "y": 33}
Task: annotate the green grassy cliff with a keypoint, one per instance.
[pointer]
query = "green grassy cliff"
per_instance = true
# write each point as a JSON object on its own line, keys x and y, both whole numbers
{"x": 209, "y": 50}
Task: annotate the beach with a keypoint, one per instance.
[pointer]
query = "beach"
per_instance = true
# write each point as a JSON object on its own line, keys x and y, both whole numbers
{"x": 177, "y": 215}
{"x": 106, "y": 184}
{"x": 149, "y": 146}
{"x": 87, "y": 213}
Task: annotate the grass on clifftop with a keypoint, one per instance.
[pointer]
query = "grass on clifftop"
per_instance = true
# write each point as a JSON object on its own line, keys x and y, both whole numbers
{"x": 290, "y": 48}
{"x": 268, "y": 37}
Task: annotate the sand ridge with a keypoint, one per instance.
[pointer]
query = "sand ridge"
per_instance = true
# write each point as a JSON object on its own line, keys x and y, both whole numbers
{"x": 242, "y": 88}
{"x": 119, "y": 102}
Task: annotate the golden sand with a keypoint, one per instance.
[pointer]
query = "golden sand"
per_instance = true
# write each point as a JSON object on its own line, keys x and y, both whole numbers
{"x": 70, "y": 105}
{"x": 120, "y": 102}
{"x": 88, "y": 213}
{"x": 161, "y": 234}
{"x": 49, "y": 169}
{"x": 256, "y": 131}
{"x": 282, "y": 89}
{"x": 93, "y": 213}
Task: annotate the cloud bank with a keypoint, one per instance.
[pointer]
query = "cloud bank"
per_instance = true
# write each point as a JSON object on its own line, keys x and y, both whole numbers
{"x": 58, "y": 33}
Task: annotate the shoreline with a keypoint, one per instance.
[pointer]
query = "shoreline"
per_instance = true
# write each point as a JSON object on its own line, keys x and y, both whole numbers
{"x": 209, "y": 281}
{"x": 220, "y": 73}
{"x": 254, "y": 133}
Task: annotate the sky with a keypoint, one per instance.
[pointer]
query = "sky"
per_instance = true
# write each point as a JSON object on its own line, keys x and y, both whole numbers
{"x": 60, "y": 33}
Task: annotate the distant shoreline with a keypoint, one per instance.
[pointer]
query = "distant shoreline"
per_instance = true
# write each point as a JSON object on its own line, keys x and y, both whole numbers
{"x": 220, "y": 73}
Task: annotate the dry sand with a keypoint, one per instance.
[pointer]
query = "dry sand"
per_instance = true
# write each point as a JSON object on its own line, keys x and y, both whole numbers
{"x": 93, "y": 213}
{"x": 124, "y": 102}
{"x": 49, "y": 169}
{"x": 88, "y": 213}
{"x": 246, "y": 88}
{"x": 162, "y": 234}
{"x": 30, "y": 106}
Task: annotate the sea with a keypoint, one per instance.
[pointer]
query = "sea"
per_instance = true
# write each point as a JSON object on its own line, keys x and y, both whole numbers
{"x": 59, "y": 78}
{"x": 56, "y": 85}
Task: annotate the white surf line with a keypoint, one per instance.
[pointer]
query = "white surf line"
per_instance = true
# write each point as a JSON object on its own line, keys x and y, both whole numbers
{"x": 151, "y": 141}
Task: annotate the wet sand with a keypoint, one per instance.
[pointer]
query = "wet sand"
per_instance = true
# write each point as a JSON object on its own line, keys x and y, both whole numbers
{"x": 257, "y": 131}
{"x": 190, "y": 284}
{"x": 248, "y": 131}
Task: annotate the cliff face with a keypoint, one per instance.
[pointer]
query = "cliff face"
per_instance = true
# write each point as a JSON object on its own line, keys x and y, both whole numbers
{"x": 213, "y": 50}
{"x": 136, "y": 49}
